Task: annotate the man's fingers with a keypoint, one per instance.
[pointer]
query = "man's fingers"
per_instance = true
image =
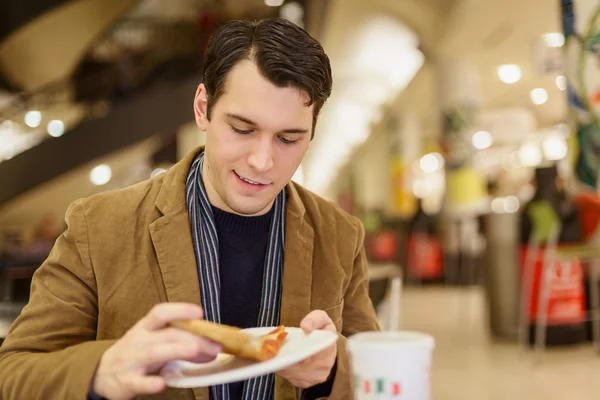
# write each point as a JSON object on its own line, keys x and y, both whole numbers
{"x": 145, "y": 384}
{"x": 316, "y": 320}
{"x": 174, "y": 335}
{"x": 162, "y": 353}
{"x": 162, "y": 314}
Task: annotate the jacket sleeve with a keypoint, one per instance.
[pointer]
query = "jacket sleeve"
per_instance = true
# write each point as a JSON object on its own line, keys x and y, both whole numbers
{"x": 50, "y": 351}
{"x": 358, "y": 315}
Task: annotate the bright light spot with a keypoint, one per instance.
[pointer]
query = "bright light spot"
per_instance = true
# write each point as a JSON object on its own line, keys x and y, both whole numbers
{"x": 482, "y": 140}
{"x": 273, "y": 3}
{"x": 539, "y": 96}
{"x": 33, "y": 119}
{"x": 511, "y": 204}
{"x": 387, "y": 52}
{"x": 555, "y": 148}
{"x": 292, "y": 12}
{"x": 554, "y": 39}
{"x": 498, "y": 205}
{"x": 157, "y": 172}
{"x": 561, "y": 82}
{"x": 530, "y": 155}
{"x": 429, "y": 163}
{"x": 56, "y": 128}
{"x": 101, "y": 175}
{"x": 509, "y": 73}
{"x": 421, "y": 188}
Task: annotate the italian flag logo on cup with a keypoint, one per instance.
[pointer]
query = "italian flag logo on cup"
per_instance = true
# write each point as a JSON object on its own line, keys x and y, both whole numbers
{"x": 379, "y": 386}
{"x": 391, "y": 365}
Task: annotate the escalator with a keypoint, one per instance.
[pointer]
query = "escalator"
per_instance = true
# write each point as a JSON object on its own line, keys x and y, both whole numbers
{"x": 157, "y": 109}
{"x": 145, "y": 91}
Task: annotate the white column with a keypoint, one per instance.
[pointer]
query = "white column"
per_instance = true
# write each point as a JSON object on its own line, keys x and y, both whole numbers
{"x": 460, "y": 102}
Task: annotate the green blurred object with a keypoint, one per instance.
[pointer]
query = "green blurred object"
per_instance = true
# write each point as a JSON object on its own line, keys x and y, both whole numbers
{"x": 543, "y": 218}
{"x": 372, "y": 222}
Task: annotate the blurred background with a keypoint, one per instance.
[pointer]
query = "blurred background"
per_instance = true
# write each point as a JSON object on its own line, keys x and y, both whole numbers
{"x": 465, "y": 135}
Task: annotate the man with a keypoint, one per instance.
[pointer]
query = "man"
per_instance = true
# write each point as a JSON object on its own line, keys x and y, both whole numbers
{"x": 223, "y": 235}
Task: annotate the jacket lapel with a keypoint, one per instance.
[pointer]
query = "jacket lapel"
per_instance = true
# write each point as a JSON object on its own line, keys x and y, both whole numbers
{"x": 172, "y": 241}
{"x": 297, "y": 274}
{"x": 174, "y": 250}
{"x": 297, "y": 262}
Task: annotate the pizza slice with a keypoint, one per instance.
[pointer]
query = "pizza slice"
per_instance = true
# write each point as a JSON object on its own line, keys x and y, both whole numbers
{"x": 272, "y": 342}
{"x": 236, "y": 342}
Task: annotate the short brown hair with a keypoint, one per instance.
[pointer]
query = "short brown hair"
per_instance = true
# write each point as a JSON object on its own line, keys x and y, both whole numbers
{"x": 284, "y": 53}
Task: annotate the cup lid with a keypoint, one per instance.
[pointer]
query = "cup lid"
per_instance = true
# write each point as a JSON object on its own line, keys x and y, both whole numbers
{"x": 385, "y": 339}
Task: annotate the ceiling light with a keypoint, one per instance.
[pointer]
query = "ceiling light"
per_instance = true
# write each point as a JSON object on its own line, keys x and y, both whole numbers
{"x": 292, "y": 11}
{"x": 482, "y": 140}
{"x": 511, "y": 204}
{"x": 273, "y": 3}
{"x": 539, "y": 96}
{"x": 430, "y": 163}
{"x": 55, "y": 128}
{"x": 561, "y": 82}
{"x": 33, "y": 119}
{"x": 498, "y": 205}
{"x": 554, "y": 39}
{"x": 100, "y": 175}
{"x": 509, "y": 73}
{"x": 530, "y": 155}
{"x": 554, "y": 147}
{"x": 421, "y": 188}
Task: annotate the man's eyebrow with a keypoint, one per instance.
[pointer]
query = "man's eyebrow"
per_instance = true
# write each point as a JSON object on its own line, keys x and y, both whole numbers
{"x": 250, "y": 122}
{"x": 295, "y": 130}
{"x": 242, "y": 119}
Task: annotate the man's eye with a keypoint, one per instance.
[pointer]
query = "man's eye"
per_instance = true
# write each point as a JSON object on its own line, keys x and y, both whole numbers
{"x": 241, "y": 131}
{"x": 287, "y": 141}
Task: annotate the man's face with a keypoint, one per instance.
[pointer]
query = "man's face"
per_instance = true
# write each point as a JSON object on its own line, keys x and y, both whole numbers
{"x": 255, "y": 140}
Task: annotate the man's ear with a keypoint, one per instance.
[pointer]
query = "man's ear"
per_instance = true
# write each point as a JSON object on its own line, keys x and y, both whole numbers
{"x": 201, "y": 107}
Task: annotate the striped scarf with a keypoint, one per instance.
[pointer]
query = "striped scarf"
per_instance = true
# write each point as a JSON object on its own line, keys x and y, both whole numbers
{"x": 206, "y": 249}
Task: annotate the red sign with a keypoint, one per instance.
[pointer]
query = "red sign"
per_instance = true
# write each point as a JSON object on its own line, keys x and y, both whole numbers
{"x": 566, "y": 301}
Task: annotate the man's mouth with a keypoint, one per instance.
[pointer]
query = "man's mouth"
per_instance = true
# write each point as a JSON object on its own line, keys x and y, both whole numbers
{"x": 250, "y": 181}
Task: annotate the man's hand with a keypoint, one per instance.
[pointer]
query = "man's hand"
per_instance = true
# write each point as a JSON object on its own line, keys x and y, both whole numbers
{"x": 124, "y": 369}
{"x": 317, "y": 368}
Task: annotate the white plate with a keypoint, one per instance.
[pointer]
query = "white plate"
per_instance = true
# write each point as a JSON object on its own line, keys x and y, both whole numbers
{"x": 297, "y": 347}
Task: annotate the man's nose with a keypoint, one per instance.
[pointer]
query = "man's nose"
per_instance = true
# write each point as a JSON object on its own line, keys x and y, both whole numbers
{"x": 261, "y": 156}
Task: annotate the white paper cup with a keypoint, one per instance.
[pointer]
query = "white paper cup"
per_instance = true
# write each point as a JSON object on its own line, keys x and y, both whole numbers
{"x": 391, "y": 365}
